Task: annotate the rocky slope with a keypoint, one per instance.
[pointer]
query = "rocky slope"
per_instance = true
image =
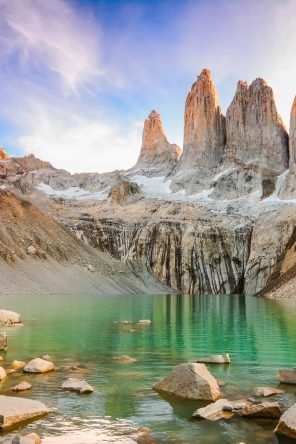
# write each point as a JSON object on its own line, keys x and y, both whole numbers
{"x": 219, "y": 220}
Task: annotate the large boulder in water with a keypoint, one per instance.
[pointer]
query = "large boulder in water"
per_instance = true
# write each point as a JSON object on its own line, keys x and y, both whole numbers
{"x": 39, "y": 365}
{"x": 77, "y": 385}
{"x": 8, "y": 318}
{"x": 287, "y": 423}
{"x": 190, "y": 381}
{"x": 16, "y": 410}
{"x": 287, "y": 376}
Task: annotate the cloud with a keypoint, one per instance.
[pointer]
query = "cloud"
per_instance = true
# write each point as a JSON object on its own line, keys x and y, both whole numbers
{"x": 50, "y": 35}
{"x": 78, "y": 143}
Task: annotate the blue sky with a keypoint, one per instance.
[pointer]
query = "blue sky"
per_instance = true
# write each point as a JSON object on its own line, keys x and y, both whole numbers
{"x": 78, "y": 77}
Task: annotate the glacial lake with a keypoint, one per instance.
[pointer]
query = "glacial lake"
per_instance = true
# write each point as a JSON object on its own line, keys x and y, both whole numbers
{"x": 259, "y": 335}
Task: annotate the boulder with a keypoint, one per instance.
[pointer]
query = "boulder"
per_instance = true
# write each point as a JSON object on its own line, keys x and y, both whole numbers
{"x": 287, "y": 423}
{"x": 287, "y": 376}
{"x": 3, "y": 342}
{"x": 31, "y": 250}
{"x": 21, "y": 387}
{"x": 221, "y": 409}
{"x": 215, "y": 359}
{"x": 265, "y": 409}
{"x": 3, "y": 373}
{"x": 8, "y": 318}
{"x": 18, "y": 365}
{"x": 190, "y": 381}
{"x": 77, "y": 385}
{"x": 39, "y": 365}
{"x": 16, "y": 410}
{"x": 267, "y": 391}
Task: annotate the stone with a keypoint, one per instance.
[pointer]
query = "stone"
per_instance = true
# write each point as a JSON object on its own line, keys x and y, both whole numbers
{"x": 124, "y": 359}
{"x": 221, "y": 409}
{"x": 267, "y": 391}
{"x": 145, "y": 322}
{"x": 18, "y": 365}
{"x": 77, "y": 385}
{"x": 32, "y": 438}
{"x": 156, "y": 152}
{"x": 255, "y": 132}
{"x": 21, "y": 387}
{"x": 287, "y": 376}
{"x": 8, "y": 318}
{"x": 31, "y": 250}
{"x": 3, "y": 342}
{"x": 287, "y": 423}
{"x": 15, "y": 410}
{"x": 215, "y": 359}
{"x": 124, "y": 191}
{"x": 190, "y": 381}
{"x": 90, "y": 268}
{"x": 46, "y": 357}
{"x": 39, "y": 365}
{"x": 264, "y": 409}
{"x": 3, "y": 373}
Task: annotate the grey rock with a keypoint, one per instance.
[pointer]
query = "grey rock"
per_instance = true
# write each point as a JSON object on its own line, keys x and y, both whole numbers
{"x": 287, "y": 423}
{"x": 215, "y": 359}
{"x": 14, "y": 410}
{"x": 39, "y": 365}
{"x": 77, "y": 385}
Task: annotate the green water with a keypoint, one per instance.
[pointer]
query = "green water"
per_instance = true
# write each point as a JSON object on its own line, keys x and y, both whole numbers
{"x": 259, "y": 335}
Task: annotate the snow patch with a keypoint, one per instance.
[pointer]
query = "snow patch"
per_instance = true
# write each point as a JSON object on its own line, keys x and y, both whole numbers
{"x": 72, "y": 193}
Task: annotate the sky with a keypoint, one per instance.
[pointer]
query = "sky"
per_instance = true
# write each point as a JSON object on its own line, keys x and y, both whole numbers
{"x": 78, "y": 77}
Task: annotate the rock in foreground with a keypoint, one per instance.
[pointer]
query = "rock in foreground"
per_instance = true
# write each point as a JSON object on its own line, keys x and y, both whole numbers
{"x": 267, "y": 391}
{"x": 287, "y": 423}
{"x": 190, "y": 381}
{"x": 8, "y": 318}
{"x": 215, "y": 359}
{"x": 16, "y": 410}
{"x": 39, "y": 365}
{"x": 77, "y": 385}
{"x": 287, "y": 376}
{"x": 221, "y": 409}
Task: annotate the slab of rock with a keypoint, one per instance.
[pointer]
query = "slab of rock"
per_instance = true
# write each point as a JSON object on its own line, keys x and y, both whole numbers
{"x": 215, "y": 359}
{"x": 124, "y": 359}
{"x": 287, "y": 376}
{"x": 267, "y": 391}
{"x": 21, "y": 387}
{"x": 3, "y": 342}
{"x": 39, "y": 365}
{"x": 265, "y": 409}
{"x": 16, "y": 410}
{"x": 77, "y": 385}
{"x": 8, "y": 318}
{"x": 190, "y": 381}
{"x": 221, "y": 409}
{"x": 3, "y": 373}
{"x": 287, "y": 423}
{"x": 18, "y": 365}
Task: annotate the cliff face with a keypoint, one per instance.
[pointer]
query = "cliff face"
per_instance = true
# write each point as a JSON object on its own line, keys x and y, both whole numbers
{"x": 288, "y": 190}
{"x": 156, "y": 151}
{"x": 255, "y": 132}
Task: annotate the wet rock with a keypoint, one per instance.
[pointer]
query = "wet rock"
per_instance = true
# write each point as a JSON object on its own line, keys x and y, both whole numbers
{"x": 221, "y": 409}
{"x": 287, "y": 423}
{"x": 267, "y": 391}
{"x": 14, "y": 410}
{"x": 287, "y": 376}
{"x": 144, "y": 322}
{"x": 261, "y": 410}
{"x": 215, "y": 359}
{"x": 190, "y": 381}
{"x": 39, "y": 365}
{"x": 77, "y": 385}
{"x": 18, "y": 365}
{"x": 8, "y": 318}
{"x": 32, "y": 438}
{"x": 46, "y": 357}
{"x": 21, "y": 387}
{"x": 124, "y": 359}
{"x": 3, "y": 373}
{"x": 3, "y": 342}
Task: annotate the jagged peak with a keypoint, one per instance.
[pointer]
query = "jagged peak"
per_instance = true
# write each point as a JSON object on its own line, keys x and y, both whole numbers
{"x": 205, "y": 75}
{"x": 153, "y": 114}
{"x": 293, "y": 109}
{"x": 3, "y": 154}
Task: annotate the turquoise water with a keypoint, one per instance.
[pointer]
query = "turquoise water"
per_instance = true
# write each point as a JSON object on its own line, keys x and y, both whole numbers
{"x": 259, "y": 335}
